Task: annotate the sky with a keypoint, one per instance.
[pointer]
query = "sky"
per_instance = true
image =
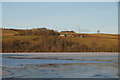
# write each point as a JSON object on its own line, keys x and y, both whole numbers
{"x": 85, "y": 17}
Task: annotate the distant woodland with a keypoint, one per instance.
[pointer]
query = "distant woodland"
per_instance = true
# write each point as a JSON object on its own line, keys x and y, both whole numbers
{"x": 47, "y": 40}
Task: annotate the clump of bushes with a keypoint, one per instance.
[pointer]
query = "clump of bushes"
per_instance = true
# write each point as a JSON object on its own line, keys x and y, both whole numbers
{"x": 37, "y": 32}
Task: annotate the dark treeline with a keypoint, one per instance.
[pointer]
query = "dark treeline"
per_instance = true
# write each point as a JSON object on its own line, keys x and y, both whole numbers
{"x": 38, "y": 32}
{"x": 68, "y": 31}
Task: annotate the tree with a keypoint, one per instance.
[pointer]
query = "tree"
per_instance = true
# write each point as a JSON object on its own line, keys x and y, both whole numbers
{"x": 98, "y": 31}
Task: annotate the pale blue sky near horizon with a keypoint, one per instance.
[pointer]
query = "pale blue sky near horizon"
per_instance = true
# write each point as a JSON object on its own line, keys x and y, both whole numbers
{"x": 77, "y": 16}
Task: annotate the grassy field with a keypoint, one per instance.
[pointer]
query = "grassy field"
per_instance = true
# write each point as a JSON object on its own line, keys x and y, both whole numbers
{"x": 101, "y": 39}
{"x": 8, "y": 32}
{"x": 91, "y": 40}
{"x": 8, "y": 38}
{"x": 94, "y": 42}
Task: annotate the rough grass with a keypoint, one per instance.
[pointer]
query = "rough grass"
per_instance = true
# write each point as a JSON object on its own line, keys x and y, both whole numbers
{"x": 8, "y": 32}
{"x": 92, "y": 40}
{"x": 8, "y": 38}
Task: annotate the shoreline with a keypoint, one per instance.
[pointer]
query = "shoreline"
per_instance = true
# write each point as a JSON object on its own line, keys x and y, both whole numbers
{"x": 54, "y": 52}
{"x": 68, "y": 54}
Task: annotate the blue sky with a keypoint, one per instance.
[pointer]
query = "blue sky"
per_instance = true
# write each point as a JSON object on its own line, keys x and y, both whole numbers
{"x": 77, "y": 16}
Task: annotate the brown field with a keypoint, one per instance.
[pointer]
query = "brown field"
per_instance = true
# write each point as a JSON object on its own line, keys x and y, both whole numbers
{"x": 107, "y": 41}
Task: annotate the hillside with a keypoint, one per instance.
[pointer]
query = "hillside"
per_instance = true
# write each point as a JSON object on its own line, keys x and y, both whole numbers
{"x": 9, "y": 32}
{"x": 33, "y": 42}
{"x": 98, "y": 35}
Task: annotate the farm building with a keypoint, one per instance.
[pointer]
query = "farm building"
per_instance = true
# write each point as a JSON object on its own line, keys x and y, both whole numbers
{"x": 72, "y": 34}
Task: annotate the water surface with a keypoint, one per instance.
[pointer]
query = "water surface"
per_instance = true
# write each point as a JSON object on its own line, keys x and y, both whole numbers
{"x": 60, "y": 65}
